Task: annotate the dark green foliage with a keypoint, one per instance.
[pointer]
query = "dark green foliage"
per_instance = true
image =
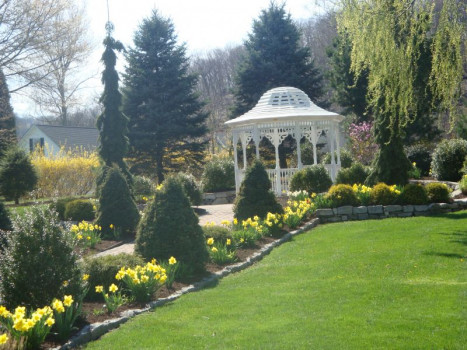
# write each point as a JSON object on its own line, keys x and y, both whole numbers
{"x": 448, "y": 159}
{"x": 190, "y": 186}
{"x": 17, "y": 174}
{"x": 346, "y": 158}
{"x": 274, "y": 57}
{"x": 165, "y": 113}
{"x": 314, "y": 179}
{"x": 116, "y": 205}
{"x": 342, "y": 194}
{"x": 219, "y": 233}
{"x": 142, "y": 185}
{"x": 255, "y": 196}
{"x": 79, "y": 210}
{"x": 5, "y": 222}
{"x": 218, "y": 175}
{"x": 59, "y": 205}
{"x": 7, "y": 118}
{"x": 382, "y": 194}
{"x": 420, "y": 153}
{"x": 356, "y": 174}
{"x": 414, "y": 194}
{"x": 170, "y": 228}
{"x": 102, "y": 270}
{"x": 112, "y": 123}
{"x": 38, "y": 259}
{"x": 438, "y": 193}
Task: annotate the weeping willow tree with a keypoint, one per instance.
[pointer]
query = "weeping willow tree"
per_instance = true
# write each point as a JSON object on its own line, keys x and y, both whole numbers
{"x": 388, "y": 38}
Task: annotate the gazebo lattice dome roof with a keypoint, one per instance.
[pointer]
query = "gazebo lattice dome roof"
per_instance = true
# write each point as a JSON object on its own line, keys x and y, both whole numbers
{"x": 284, "y": 104}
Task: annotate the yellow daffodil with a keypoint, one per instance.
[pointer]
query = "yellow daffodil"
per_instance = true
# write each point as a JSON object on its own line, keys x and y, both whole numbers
{"x": 235, "y": 221}
{"x": 228, "y": 242}
{"x": 113, "y": 288}
{"x": 111, "y": 226}
{"x": 58, "y": 306}
{"x": 144, "y": 278}
{"x": 99, "y": 289}
{"x": 50, "y": 322}
{"x": 3, "y": 338}
{"x": 172, "y": 260}
{"x": 214, "y": 249}
{"x": 210, "y": 241}
{"x": 163, "y": 278}
{"x": 68, "y": 300}
{"x": 85, "y": 277}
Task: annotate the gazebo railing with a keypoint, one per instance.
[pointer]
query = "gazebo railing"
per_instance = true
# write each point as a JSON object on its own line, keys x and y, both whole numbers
{"x": 282, "y": 186}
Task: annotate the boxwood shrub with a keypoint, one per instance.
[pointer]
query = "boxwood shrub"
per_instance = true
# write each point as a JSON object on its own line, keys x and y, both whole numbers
{"x": 448, "y": 159}
{"x": 314, "y": 179}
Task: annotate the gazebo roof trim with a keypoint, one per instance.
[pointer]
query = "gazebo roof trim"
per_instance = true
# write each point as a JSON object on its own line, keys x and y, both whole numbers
{"x": 284, "y": 104}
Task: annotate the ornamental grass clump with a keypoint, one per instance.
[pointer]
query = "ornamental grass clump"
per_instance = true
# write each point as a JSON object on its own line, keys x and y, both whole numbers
{"x": 25, "y": 329}
{"x": 39, "y": 262}
{"x": 255, "y": 196}
{"x": 171, "y": 228}
{"x": 143, "y": 281}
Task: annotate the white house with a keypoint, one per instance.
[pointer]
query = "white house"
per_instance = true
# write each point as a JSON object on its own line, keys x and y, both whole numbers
{"x": 55, "y": 137}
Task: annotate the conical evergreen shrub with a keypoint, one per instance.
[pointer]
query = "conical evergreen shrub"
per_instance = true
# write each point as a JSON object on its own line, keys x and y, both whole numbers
{"x": 170, "y": 228}
{"x": 255, "y": 196}
{"x": 116, "y": 205}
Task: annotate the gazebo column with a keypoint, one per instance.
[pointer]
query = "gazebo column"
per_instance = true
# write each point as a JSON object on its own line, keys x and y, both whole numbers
{"x": 278, "y": 169}
{"x": 338, "y": 145}
{"x": 314, "y": 140}
{"x": 298, "y": 136}
{"x": 244, "y": 139}
{"x": 333, "y": 162}
{"x": 256, "y": 140}
{"x": 237, "y": 180}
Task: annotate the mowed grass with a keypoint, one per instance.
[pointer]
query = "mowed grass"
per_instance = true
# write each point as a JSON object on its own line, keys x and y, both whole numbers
{"x": 387, "y": 284}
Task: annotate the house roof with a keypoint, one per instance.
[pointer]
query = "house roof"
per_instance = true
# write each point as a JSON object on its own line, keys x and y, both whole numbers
{"x": 71, "y": 136}
{"x": 284, "y": 104}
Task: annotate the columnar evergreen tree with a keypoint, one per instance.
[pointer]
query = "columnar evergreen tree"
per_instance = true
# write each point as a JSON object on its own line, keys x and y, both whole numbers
{"x": 112, "y": 123}
{"x": 388, "y": 38}
{"x": 165, "y": 113}
{"x": 274, "y": 57}
{"x": 7, "y": 118}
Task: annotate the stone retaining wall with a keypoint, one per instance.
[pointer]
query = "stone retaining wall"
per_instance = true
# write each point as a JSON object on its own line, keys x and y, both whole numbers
{"x": 348, "y": 212}
{"x": 226, "y": 197}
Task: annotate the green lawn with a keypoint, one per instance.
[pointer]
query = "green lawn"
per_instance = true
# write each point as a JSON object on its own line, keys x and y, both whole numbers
{"x": 387, "y": 284}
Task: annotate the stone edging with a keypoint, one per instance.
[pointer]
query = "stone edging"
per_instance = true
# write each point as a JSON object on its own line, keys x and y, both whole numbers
{"x": 348, "y": 212}
{"x": 96, "y": 330}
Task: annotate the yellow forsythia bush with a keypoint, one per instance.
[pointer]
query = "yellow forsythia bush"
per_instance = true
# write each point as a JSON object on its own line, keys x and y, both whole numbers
{"x": 68, "y": 173}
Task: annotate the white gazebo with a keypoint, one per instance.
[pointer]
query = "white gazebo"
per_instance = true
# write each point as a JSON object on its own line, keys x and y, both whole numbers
{"x": 281, "y": 112}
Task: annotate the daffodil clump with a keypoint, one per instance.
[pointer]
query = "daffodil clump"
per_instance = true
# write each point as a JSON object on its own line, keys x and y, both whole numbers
{"x": 297, "y": 211}
{"x": 363, "y": 193}
{"x": 144, "y": 281}
{"x": 299, "y": 195}
{"x": 113, "y": 299}
{"x": 221, "y": 253}
{"x": 26, "y": 329}
{"x": 87, "y": 234}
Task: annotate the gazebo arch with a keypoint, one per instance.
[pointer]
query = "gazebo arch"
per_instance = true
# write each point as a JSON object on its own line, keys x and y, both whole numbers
{"x": 281, "y": 112}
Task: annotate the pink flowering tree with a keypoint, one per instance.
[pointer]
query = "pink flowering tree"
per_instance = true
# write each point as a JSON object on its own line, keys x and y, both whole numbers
{"x": 362, "y": 142}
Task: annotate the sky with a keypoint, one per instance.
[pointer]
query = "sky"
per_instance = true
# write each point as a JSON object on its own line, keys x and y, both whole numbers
{"x": 202, "y": 25}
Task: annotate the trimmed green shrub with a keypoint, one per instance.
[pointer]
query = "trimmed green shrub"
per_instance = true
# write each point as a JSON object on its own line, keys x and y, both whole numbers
{"x": 463, "y": 184}
{"x": 142, "y": 186}
{"x": 102, "y": 270}
{"x": 116, "y": 205}
{"x": 59, "y": 205}
{"x": 17, "y": 174}
{"x": 219, "y": 233}
{"x": 190, "y": 186}
{"x": 79, "y": 210}
{"x": 5, "y": 222}
{"x": 255, "y": 196}
{"x": 420, "y": 154}
{"x": 346, "y": 158}
{"x": 438, "y": 192}
{"x": 356, "y": 174}
{"x": 170, "y": 228}
{"x": 314, "y": 179}
{"x": 383, "y": 194}
{"x": 39, "y": 263}
{"x": 448, "y": 159}
{"x": 414, "y": 194}
{"x": 342, "y": 194}
{"x": 218, "y": 175}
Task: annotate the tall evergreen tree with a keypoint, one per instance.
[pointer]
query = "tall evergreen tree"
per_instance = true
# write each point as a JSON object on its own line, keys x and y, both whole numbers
{"x": 274, "y": 57}
{"x": 165, "y": 113}
{"x": 112, "y": 123}
{"x": 7, "y": 118}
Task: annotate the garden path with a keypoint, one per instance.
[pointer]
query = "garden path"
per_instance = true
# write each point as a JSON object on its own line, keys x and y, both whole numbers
{"x": 210, "y": 213}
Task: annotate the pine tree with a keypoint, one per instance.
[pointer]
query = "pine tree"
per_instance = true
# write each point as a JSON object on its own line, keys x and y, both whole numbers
{"x": 7, "y": 118}
{"x": 165, "y": 113}
{"x": 112, "y": 123}
{"x": 274, "y": 58}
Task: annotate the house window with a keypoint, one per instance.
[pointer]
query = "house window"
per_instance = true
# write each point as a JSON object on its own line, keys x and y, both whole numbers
{"x": 35, "y": 142}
